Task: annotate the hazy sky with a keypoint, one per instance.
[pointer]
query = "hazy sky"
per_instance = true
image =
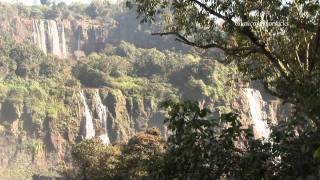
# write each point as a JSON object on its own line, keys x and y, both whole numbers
{"x": 32, "y": 2}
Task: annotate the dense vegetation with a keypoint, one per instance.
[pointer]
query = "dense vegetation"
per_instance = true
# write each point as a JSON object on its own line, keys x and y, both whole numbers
{"x": 41, "y": 91}
{"x": 199, "y": 148}
{"x": 51, "y": 10}
{"x": 203, "y": 148}
{"x": 284, "y": 58}
{"x": 39, "y": 94}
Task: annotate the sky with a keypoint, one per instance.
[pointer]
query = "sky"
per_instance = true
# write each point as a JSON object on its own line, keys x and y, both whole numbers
{"x": 33, "y": 2}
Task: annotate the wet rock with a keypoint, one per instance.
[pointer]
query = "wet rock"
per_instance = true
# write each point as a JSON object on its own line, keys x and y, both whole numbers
{"x": 10, "y": 111}
{"x": 118, "y": 118}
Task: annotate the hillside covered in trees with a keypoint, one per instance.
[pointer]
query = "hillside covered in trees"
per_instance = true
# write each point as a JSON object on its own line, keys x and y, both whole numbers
{"x": 87, "y": 92}
{"x": 48, "y": 100}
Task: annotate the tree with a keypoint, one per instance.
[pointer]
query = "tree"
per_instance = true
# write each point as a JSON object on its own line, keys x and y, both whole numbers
{"x": 92, "y": 10}
{"x": 134, "y": 160}
{"x": 98, "y": 8}
{"x": 141, "y": 155}
{"x": 45, "y": 2}
{"x": 94, "y": 160}
{"x": 202, "y": 147}
{"x": 275, "y": 42}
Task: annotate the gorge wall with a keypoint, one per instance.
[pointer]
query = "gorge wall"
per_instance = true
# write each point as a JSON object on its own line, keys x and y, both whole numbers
{"x": 49, "y": 103}
{"x": 60, "y": 37}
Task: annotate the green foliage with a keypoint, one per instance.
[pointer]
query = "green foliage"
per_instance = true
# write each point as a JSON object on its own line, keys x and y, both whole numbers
{"x": 153, "y": 72}
{"x": 269, "y": 53}
{"x": 2, "y": 130}
{"x": 140, "y": 154}
{"x": 36, "y": 12}
{"x": 35, "y": 88}
{"x": 44, "y": 88}
{"x": 89, "y": 76}
{"x": 151, "y": 62}
{"x": 94, "y": 160}
{"x": 98, "y": 8}
{"x": 200, "y": 147}
{"x": 33, "y": 146}
{"x": 284, "y": 58}
{"x": 52, "y": 13}
{"x": 297, "y": 154}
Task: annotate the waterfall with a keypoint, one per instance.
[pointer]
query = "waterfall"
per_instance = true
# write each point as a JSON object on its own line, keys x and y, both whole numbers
{"x": 39, "y": 36}
{"x": 46, "y": 37}
{"x": 101, "y": 110}
{"x": 63, "y": 43}
{"x": 53, "y": 38}
{"x": 256, "y": 103}
{"x": 89, "y": 131}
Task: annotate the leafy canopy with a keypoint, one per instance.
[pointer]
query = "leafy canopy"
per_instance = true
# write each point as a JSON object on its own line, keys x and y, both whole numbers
{"x": 274, "y": 41}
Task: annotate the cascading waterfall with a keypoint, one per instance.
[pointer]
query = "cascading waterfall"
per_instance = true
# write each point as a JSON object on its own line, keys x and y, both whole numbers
{"x": 89, "y": 131}
{"x": 46, "y": 37}
{"x": 63, "y": 43}
{"x": 53, "y": 38}
{"x": 101, "y": 110}
{"x": 39, "y": 35}
{"x": 261, "y": 128}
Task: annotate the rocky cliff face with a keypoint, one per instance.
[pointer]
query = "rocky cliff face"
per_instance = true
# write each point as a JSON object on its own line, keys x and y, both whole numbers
{"x": 38, "y": 128}
{"x": 104, "y": 113}
{"x": 124, "y": 116}
{"x": 112, "y": 115}
{"x": 259, "y": 109}
{"x": 61, "y": 37}
{"x": 115, "y": 116}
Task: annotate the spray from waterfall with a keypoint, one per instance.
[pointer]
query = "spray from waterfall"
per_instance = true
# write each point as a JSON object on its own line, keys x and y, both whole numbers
{"x": 261, "y": 128}
{"x": 89, "y": 131}
{"x": 101, "y": 110}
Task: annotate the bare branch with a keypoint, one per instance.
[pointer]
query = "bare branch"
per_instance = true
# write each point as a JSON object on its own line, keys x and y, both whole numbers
{"x": 298, "y": 57}
{"x": 211, "y": 11}
{"x": 254, "y": 39}
{"x": 229, "y": 51}
{"x": 307, "y": 53}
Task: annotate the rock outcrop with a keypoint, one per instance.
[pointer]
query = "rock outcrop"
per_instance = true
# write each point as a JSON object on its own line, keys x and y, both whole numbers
{"x": 118, "y": 117}
{"x": 259, "y": 109}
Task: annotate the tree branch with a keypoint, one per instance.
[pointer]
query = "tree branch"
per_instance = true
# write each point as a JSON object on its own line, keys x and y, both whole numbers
{"x": 247, "y": 31}
{"x": 230, "y": 51}
{"x": 211, "y": 11}
{"x": 317, "y": 38}
{"x": 314, "y": 54}
{"x": 274, "y": 60}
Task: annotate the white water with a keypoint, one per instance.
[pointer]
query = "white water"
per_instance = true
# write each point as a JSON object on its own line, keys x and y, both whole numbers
{"x": 39, "y": 36}
{"x": 63, "y": 43}
{"x": 101, "y": 110}
{"x": 89, "y": 128}
{"x": 256, "y": 103}
{"x": 53, "y": 38}
{"x": 46, "y": 37}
